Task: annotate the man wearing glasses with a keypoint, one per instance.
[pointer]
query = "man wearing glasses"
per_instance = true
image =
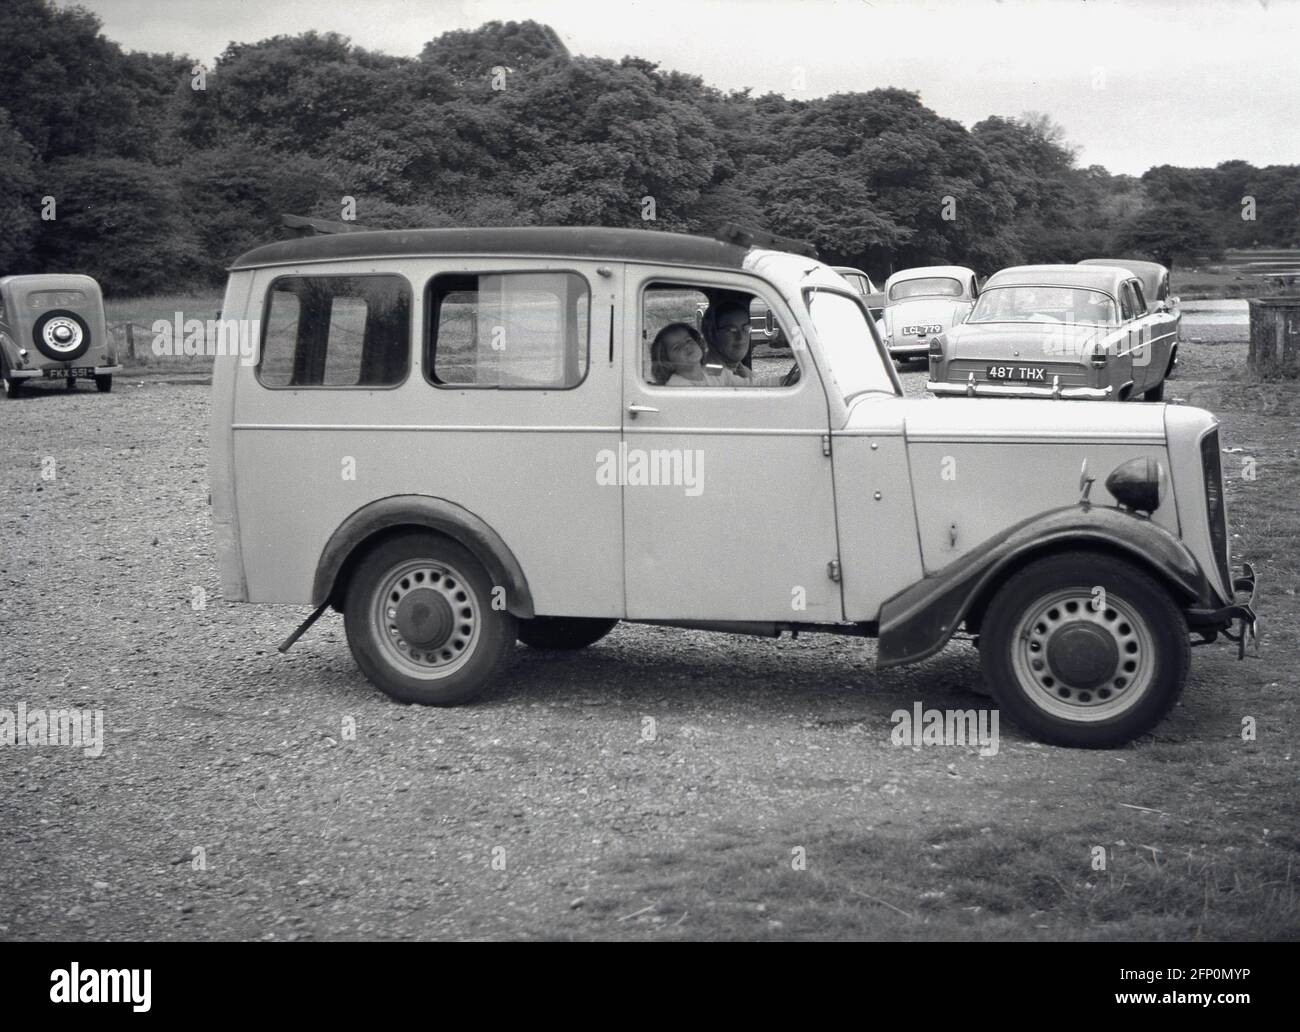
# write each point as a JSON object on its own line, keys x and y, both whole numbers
{"x": 726, "y": 330}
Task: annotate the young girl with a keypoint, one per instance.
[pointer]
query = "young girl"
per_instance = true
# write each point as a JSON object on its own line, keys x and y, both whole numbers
{"x": 677, "y": 356}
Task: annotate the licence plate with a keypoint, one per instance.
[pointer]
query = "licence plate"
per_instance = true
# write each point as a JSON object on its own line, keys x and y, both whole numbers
{"x": 920, "y": 330}
{"x": 1031, "y": 374}
{"x": 64, "y": 372}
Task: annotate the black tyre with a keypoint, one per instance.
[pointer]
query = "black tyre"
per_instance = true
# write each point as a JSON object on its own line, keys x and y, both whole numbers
{"x": 1078, "y": 666}
{"x": 1156, "y": 393}
{"x": 104, "y": 383}
{"x": 420, "y": 621}
{"x": 61, "y": 335}
{"x": 12, "y": 387}
{"x": 563, "y": 632}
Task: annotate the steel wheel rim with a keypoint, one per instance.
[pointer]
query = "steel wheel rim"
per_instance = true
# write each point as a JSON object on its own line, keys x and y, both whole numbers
{"x": 1043, "y": 638}
{"x": 407, "y": 615}
{"x": 50, "y": 334}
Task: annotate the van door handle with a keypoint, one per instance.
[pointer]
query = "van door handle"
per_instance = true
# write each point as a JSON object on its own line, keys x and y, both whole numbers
{"x": 634, "y": 409}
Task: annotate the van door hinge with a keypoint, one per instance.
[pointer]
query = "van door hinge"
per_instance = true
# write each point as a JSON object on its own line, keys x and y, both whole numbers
{"x": 833, "y": 570}
{"x": 826, "y": 444}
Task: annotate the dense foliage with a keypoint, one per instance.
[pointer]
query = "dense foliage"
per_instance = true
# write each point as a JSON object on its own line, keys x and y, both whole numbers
{"x": 156, "y": 183}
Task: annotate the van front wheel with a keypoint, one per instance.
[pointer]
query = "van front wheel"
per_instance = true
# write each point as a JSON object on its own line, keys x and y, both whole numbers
{"x": 1084, "y": 650}
{"x": 420, "y": 621}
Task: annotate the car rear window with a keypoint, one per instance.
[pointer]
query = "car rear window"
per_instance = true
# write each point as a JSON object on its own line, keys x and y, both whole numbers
{"x": 1032, "y": 303}
{"x": 927, "y": 286}
{"x": 513, "y": 330}
{"x": 336, "y": 331}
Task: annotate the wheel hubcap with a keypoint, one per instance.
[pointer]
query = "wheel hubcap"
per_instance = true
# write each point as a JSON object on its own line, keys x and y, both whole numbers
{"x": 425, "y": 618}
{"x": 1080, "y": 660}
{"x": 1082, "y": 655}
{"x": 62, "y": 334}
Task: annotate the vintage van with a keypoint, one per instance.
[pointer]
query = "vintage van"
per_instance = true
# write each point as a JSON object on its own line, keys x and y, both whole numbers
{"x": 464, "y": 438}
{"x": 52, "y": 328}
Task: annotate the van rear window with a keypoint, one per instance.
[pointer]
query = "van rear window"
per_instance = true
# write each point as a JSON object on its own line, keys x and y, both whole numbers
{"x": 515, "y": 330}
{"x": 336, "y": 331}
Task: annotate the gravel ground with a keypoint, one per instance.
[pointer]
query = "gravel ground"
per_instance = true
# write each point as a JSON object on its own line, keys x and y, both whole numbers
{"x": 229, "y": 802}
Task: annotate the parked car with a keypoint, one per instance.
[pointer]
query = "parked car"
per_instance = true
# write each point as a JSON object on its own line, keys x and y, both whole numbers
{"x": 861, "y": 282}
{"x": 1159, "y": 298}
{"x": 922, "y": 303}
{"x": 1057, "y": 331}
{"x": 52, "y": 328}
{"x": 464, "y": 438}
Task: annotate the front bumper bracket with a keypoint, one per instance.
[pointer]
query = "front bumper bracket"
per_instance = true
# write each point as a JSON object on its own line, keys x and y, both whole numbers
{"x": 1209, "y": 623}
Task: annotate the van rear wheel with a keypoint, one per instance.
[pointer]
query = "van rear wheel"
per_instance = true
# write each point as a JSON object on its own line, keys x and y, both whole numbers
{"x": 420, "y": 621}
{"x": 1082, "y": 649}
{"x": 563, "y": 632}
{"x": 104, "y": 383}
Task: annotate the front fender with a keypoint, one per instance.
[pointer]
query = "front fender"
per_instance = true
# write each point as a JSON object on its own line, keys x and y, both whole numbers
{"x": 438, "y": 514}
{"x": 919, "y": 620}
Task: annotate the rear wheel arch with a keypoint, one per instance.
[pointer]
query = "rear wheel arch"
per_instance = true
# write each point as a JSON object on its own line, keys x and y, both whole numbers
{"x": 373, "y": 524}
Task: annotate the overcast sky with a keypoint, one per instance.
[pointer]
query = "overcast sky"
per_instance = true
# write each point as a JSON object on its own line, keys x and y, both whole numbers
{"x": 1136, "y": 84}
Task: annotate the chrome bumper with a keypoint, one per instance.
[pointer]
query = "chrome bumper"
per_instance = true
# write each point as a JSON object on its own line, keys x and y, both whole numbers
{"x": 973, "y": 388}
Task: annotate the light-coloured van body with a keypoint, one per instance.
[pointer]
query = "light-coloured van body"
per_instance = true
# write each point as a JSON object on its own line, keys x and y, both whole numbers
{"x": 829, "y": 502}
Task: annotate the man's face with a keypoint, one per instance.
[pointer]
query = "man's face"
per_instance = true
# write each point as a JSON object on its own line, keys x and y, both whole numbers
{"x": 731, "y": 335}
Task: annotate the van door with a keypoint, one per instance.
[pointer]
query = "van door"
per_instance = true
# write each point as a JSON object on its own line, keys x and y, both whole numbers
{"x": 728, "y": 504}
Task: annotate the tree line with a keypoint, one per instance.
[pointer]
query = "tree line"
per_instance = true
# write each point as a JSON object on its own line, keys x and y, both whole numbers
{"x": 151, "y": 172}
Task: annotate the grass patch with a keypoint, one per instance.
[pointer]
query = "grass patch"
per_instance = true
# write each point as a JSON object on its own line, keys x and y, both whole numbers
{"x": 960, "y": 882}
{"x": 1202, "y": 284}
{"x": 144, "y": 311}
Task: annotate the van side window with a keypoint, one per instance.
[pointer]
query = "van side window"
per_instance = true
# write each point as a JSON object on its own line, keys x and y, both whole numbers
{"x": 712, "y": 337}
{"x": 1139, "y": 300}
{"x": 514, "y": 330}
{"x": 336, "y": 331}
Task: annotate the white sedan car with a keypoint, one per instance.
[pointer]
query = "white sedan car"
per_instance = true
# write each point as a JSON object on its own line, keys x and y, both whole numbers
{"x": 922, "y": 303}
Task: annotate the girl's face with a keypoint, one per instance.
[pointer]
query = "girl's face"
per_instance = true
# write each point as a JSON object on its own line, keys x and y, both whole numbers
{"x": 683, "y": 354}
